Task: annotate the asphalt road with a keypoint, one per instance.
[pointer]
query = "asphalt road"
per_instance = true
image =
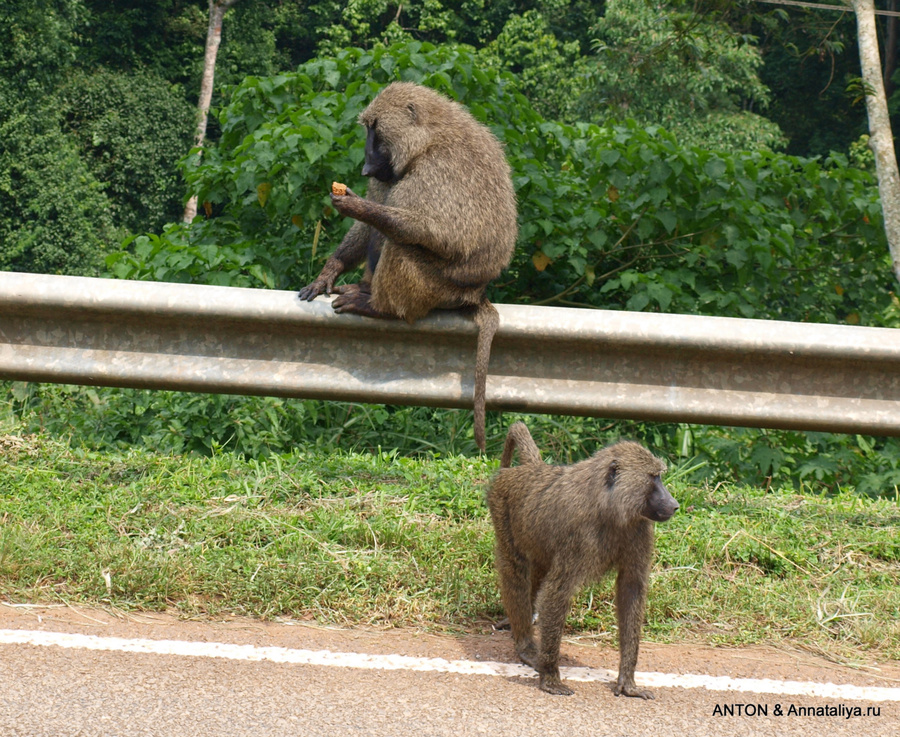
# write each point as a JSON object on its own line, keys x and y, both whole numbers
{"x": 55, "y": 691}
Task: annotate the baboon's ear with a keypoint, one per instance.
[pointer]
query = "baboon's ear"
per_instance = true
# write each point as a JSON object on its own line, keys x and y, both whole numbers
{"x": 611, "y": 472}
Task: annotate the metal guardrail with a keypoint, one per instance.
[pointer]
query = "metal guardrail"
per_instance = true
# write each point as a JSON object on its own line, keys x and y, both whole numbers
{"x": 545, "y": 359}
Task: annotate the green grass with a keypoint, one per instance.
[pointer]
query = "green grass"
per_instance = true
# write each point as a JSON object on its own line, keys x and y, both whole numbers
{"x": 387, "y": 540}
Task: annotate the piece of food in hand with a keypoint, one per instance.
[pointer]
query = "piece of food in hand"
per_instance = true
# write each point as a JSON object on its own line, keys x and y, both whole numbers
{"x": 338, "y": 189}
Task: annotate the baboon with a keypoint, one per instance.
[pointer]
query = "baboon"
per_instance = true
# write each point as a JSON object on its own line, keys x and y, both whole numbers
{"x": 560, "y": 527}
{"x": 438, "y": 222}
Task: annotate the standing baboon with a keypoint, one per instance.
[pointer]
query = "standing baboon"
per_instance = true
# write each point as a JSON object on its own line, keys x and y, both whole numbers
{"x": 438, "y": 222}
{"x": 560, "y": 527}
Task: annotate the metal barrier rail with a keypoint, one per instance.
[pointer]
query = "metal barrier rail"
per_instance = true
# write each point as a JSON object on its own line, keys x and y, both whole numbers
{"x": 545, "y": 359}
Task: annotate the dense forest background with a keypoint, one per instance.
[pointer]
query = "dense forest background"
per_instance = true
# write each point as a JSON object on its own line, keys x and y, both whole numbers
{"x": 694, "y": 156}
{"x": 97, "y": 99}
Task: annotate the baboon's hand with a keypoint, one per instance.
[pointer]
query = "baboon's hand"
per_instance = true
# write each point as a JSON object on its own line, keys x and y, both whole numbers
{"x": 349, "y": 205}
{"x": 320, "y": 285}
{"x": 629, "y": 689}
{"x": 324, "y": 282}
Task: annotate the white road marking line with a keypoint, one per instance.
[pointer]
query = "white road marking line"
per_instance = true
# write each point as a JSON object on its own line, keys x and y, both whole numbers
{"x": 439, "y": 665}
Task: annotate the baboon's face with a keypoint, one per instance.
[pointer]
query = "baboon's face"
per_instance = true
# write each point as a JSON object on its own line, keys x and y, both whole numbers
{"x": 378, "y": 156}
{"x": 659, "y": 504}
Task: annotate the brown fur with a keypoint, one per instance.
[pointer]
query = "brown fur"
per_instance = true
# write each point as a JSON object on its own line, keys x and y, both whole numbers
{"x": 439, "y": 231}
{"x": 561, "y": 527}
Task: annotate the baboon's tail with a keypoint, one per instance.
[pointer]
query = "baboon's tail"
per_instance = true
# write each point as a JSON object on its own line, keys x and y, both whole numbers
{"x": 519, "y": 437}
{"x": 488, "y": 320}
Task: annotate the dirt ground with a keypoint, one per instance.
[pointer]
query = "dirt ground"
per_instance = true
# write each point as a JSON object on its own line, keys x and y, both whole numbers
{"x": 748, "y": 662}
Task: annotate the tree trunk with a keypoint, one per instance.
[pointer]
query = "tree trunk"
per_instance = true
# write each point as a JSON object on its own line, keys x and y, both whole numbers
{"x": 217, "y": 9}
{"x": 881, "y": 140}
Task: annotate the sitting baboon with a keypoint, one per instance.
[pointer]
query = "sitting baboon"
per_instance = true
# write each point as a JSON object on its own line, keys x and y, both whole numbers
{"x": 560, "y": 527}
{"x": 438, "y": 222}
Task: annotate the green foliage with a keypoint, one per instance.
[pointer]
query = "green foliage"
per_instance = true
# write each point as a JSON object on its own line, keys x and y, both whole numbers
{"x": 362, "y": 22}
{"x": 781, "y": 458}
{"x": 173, "y": 256}
{"x": 810, "y": 56}
{"x": 249, "y": 43}
{"x": 542, "y": 65}
{"x": 37, "y": 44}
{"x": 165, "y": 37}
{"x": 861, "y": 155}
{"x": 54, "y": 216}
{"x": 168, "y": 421}
{"x": 258, "y": 427}
{"x": 639, "y": 222}
{"x": 132, "y": 129}
{"x": 695, "y": 77}
{"x": 250, "y": 426}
